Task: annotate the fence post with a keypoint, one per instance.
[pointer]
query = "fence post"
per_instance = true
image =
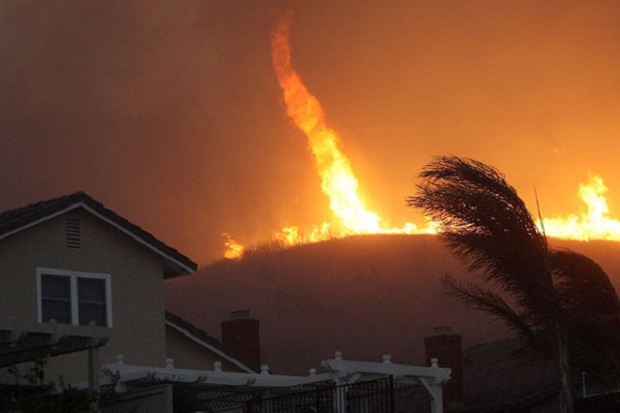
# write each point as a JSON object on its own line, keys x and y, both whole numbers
{"x": 391, "y": 407}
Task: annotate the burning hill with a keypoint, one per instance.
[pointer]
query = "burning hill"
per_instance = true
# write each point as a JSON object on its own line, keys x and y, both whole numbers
{"x": 364, "y": 295}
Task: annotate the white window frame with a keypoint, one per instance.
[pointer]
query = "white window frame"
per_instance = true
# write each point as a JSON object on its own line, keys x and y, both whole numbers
{"x": 73, "y": 277}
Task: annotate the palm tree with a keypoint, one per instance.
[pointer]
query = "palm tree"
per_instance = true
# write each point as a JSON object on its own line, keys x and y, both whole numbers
{"x": 555, "y": 296}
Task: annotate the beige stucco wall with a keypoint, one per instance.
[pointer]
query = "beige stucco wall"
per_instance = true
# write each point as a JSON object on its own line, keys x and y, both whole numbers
{"x": 136, "y": 282}
{"x": 188, "y": 354}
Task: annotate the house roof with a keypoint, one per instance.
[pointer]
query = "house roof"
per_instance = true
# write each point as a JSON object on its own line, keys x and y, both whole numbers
{"x": 504, "y": 374}
{"x": 19, "y": 219}
{"x": 203, "y": 339}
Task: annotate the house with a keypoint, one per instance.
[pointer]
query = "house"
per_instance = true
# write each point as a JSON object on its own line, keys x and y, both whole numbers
{"x": 84, "y": 286}
{"x": 76, "y": 276}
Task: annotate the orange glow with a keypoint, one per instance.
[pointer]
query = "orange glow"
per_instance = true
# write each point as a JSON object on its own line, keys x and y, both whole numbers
{"x": 340, "y": 185}
{"x": 593, "y": 224}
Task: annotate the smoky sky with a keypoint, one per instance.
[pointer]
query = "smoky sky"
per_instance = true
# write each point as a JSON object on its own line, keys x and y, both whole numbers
{"x": 170, "y": 114}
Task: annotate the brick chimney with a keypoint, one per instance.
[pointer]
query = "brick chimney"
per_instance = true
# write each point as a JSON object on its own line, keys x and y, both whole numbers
{"x": 446, "y": 346}
{"x": 241, "y": 335}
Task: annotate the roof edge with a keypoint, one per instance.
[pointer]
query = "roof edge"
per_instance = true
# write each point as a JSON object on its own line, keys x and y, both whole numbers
{"x": 187, "y": 269}
{"x": 203, "y": 343}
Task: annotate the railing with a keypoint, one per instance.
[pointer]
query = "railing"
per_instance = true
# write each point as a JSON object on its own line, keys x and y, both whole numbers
{"x": 375, "y": 396}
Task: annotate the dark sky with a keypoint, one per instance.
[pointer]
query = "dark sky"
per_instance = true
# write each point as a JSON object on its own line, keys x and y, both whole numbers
{"x": 170, "y": 114}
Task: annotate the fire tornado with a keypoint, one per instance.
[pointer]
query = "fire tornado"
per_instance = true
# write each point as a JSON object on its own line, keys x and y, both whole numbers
{"x": 338, "y": 181}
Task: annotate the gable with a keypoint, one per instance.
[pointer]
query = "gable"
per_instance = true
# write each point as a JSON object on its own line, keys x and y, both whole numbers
{"x": 15, "y": 221}
{"x": 78, "y": 240}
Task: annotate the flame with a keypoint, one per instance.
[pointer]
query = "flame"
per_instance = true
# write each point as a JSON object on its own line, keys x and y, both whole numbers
{"x": 337, "y": 179}
{"x": 234, "y": 249}
{"x": 595, "y": 223}
{"x": 339, "y": 183}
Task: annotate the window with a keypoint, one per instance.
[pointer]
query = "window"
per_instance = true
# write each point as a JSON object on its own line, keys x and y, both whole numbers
{"x": 75, "y": 298}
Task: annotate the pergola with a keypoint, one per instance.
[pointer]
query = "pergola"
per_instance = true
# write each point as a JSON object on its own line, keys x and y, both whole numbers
{"x": 23, "y": 342}
{"x": 231, "y": 388}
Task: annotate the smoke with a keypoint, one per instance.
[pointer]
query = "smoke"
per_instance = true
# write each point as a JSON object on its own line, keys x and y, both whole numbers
{"x": 170, "y": 113}
{"x": 164, "y": 111}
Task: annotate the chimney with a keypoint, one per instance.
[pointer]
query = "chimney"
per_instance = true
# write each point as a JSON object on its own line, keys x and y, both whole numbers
{"x": 241, "y": 335}
{"x": 446, "y": 346}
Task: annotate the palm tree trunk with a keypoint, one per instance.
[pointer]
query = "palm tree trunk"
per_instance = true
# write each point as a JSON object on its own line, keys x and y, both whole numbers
{"x": 566, "y": 390}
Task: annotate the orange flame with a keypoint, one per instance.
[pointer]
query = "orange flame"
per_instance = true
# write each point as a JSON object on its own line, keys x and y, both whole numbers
{"x": 339, "y": 183}
{"x": 234, "y": 249}
{"x": 593, "y": 224}
{"x": 337, "y": 178}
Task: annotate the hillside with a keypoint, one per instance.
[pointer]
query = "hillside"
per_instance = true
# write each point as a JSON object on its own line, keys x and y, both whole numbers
{"x": 364, "y": 295}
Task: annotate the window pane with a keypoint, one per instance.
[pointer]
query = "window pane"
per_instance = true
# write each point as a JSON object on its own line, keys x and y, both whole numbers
{"x": 92, "y": 301}
{"x": 91, "y": 289}
{"x": 55, "y": 299}
{"x": 60, "y": 310}
{"x": 55, "y": 286}
{"x": 92, "y": 312}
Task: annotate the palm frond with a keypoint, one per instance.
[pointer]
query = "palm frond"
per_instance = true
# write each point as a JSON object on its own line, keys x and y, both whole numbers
{"x": 583, "y": 287}
{"x": 483, "y": 221}
{"x": 591, "y": 309}
{"x": 478, "y": 298}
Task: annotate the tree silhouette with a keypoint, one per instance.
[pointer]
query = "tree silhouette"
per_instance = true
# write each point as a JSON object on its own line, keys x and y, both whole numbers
{"x": 554, "y": 298}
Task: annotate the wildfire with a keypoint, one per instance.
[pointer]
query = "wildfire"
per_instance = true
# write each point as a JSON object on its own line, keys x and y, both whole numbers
{"x": 339, "y": 183}
{"x": 595, "y": 223}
